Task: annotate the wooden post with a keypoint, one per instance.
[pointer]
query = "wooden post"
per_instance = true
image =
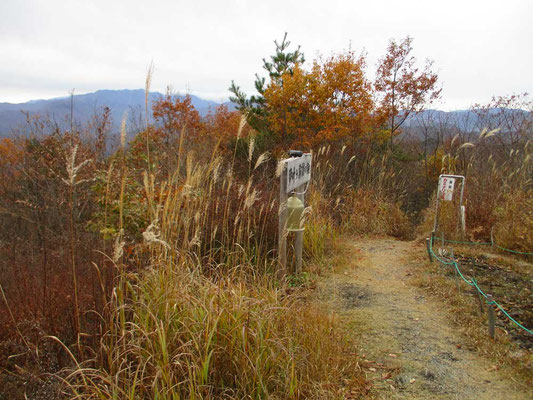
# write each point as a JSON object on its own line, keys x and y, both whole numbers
{"x": 299, "y": 244}
{"x": 480, "y": 302}
{"x": 463, "y": 222}
{"x": 282, "y": 224}
{"x": 476, "y": 292}
{"x": 492, "y": 236}
{"x": 436, "y": 221}
{"x": 490, "y": 311}
{"x": 428, "y": 248}
{"x": 456, "y": 273}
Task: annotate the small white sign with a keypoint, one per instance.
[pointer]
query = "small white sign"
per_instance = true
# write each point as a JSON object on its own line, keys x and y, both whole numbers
{"x": 446, "y": 185}
{"x": 298, "y": 171}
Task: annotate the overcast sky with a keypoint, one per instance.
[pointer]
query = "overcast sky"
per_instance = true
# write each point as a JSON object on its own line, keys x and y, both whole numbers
{"x": 480, "y": 48}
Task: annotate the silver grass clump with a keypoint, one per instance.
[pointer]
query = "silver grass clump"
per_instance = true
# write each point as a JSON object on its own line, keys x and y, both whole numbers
{"x": 73, "y": 169}
{"x": 118, "y": 248}
{"x": 485, "y": 133}
{"x": 251, "y": 147}
{"x": 152, "y": 234}
{"x": 280, "y": 167}
{"x": 242, "y": 124}
{"x": 261, "y": 159}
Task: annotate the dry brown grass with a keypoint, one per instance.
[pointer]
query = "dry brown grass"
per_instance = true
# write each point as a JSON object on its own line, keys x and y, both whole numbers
{"x": 369, "y": 212}
{"x": 180, "y": 335}
{"x": 514, "y": 226}
{"x": 359, "y": 194}
{"x": 204, "y": 317}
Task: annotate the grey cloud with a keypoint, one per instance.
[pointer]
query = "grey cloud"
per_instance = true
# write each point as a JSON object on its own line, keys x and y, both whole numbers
{"x": 480, "y": 47}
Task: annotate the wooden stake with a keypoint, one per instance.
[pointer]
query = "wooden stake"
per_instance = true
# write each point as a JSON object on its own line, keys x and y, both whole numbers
{"x": 490, "y": 311}
{"x": 428, "y": 248}
{"x": 456, "y": 273}
{"x": 463, "y": 222}
{"x": 282, "y": 224}
{"x": 476, "y": 292}
{"x": 299, "y": 244}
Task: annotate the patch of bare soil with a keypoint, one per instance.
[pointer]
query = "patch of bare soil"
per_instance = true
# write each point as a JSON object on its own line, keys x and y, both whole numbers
{"x": 410, "y": 347}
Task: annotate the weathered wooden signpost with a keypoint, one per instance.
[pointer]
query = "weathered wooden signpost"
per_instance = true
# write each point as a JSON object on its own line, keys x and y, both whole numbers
{"x": 294, "y": 180}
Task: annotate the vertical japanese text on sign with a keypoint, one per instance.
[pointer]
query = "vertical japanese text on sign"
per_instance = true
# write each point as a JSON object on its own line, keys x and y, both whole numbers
{"x": 446, "y": 185}
{"x": 298, "y": 171}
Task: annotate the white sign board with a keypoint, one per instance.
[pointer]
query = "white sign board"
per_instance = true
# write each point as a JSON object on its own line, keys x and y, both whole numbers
{"x": 446, "y": 185}
{"x": 298, "y": 171}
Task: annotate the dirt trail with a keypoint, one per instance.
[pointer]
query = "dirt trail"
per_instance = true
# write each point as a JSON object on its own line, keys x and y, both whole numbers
{"x": 411, "y": 348}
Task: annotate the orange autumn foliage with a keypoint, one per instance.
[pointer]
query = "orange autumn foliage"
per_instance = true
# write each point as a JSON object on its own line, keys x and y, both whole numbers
{"x": 11, "y": 155}
{"x": 331, "y": 102}
{"x": 10, "y": 152}
{"x": 224, "y": 125}
{"x": 401, "y": 87}
{"x": 174, "y": 115}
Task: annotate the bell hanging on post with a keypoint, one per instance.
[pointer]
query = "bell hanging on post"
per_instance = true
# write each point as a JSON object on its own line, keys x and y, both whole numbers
{"x": 295, "y": 209}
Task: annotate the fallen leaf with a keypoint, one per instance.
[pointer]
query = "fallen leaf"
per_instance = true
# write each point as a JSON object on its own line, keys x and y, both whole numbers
{"x": 372, "y": 369}
{"x": 393, "y": 355}
{"x": 412, "y": 380}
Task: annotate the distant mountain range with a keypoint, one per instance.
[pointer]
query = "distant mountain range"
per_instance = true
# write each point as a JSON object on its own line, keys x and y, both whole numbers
{"x": 468, "y": 121}
{"x": 85, "y": 106}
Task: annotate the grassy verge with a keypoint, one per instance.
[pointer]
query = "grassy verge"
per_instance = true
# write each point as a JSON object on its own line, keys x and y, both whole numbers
{"x": 181, "y": 335}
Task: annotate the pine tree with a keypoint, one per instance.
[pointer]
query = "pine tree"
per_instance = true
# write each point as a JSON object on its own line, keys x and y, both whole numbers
{"x": 254, "y": 107}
